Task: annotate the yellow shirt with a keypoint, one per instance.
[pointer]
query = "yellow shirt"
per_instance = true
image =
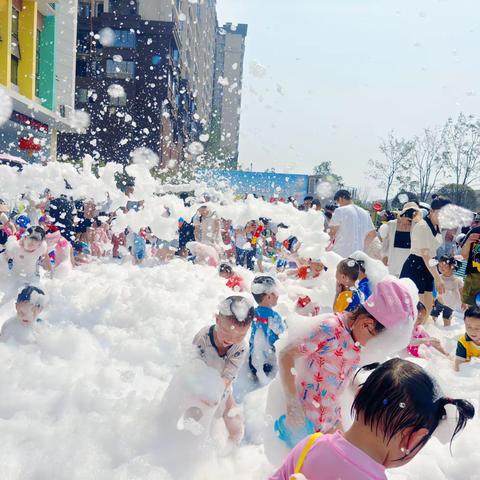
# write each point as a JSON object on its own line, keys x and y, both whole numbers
{"x": 466, "y": 348}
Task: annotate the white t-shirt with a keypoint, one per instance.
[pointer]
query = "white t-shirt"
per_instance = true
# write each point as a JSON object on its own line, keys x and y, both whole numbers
{"x": 227, "y": 365}
{"x": 354, "y": 223}
{"x": 451, "y": 298}
{"x": 424, "y": 239}
{"x": 25, "y": 264}
{"x": 12, "y": 329}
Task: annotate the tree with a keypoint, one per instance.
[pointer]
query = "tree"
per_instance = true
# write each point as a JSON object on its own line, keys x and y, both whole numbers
{"x": 465, "y": 196}
{"x": 324, "y": 170}
{"x": 427, "y": 162}
{"x": 389, "y": 171}
{"x": 462, "y": 153}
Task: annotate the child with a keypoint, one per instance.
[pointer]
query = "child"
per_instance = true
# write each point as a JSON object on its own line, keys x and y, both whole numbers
{"x": 397, "y": 410}
{"x": 234, "y": 281}
{"x": 315, "y": 369}
{"x": 266, "y": 328}
{"x": 311, "y": 271}
{"x": 223, "y": 347}
{"x": 421, "y": 337}
{"x": 468, "y": 345}
{"x": 59, "y": 248}
{"x": 452, "y": 298}
{"x": 29, "y": 305}
{"x": 24, "y": 256}
{"x": 352, "y": 285}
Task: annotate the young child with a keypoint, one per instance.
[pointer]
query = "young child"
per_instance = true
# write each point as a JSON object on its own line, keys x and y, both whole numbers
{"x": 29, "y": 305}
{"x": 421, "y": 340}
{"x": 234, "y": 281}
{"x": 59, "y": 248}
{"x": 451, "y": 300}
{"x": 308, "y": 272}
{"x": 397, "y": 410}
{"x": 468, "y": 345}
{"x": 223, "y": 347}
{"x": 315, "y": 369}
{"x": 266, "y": 328}
{"x": 24, "y": 256}
{"x": 353, "y": 287}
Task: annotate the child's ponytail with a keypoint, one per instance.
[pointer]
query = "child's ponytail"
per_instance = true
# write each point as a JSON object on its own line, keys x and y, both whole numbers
{"x": 465, "y": 410}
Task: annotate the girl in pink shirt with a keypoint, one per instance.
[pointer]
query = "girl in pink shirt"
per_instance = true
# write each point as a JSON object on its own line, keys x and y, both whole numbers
{"x": 397, "y": 410}
{"x": 421, "y": 341}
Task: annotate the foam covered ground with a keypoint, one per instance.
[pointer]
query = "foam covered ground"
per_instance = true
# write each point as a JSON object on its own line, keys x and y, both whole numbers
{"x": 83, "y": 402}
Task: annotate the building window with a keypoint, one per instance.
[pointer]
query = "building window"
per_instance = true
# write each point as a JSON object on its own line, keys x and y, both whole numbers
{"x": 15, "y": 52}
{"x": 86, "y": 11}
{"x": 81, "y": 69}
{"x": 125, "y": 39}
{"x": 37, "y": 65}
{"x": 14, "y": 75}
{"x": 84, "y": 41}
{"x": 81, "y": 95}
{"x": 118, "y": 101}
{"x": 175, "y": 56}
{"x": 122, "y": 69}
{"x": 123, "y": 7}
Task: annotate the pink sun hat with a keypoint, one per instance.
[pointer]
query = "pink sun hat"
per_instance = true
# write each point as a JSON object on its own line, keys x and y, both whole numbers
{"x": 393, "y": 302}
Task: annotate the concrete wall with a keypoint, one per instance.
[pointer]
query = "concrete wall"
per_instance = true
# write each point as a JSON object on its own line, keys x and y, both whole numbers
{"x": 66, "y": 41}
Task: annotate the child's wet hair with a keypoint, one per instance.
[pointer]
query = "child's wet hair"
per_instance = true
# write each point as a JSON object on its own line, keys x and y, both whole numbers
{"x": 399, "y": 394}
{"x": 450, "y": 261}
{"x": 225, "y": 268}
{"x": 421, "y": 307}
{"x": 262, "y": 286}
{"x": 361, "y": 310}
{"x": 351, "y": 268}
{"x": 472, "y": 312}
{"x": 30, "y": 294}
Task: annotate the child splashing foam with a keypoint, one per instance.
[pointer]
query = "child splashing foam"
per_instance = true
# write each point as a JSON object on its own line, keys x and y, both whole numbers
{"x": 396, "y": 410}
{"x": 316, "y": 369}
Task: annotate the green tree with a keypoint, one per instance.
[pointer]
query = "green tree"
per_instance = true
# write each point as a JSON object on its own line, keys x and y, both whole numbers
{"x": 325, "y": 171}
{"x": 462, "y": 195}
{"x": 462, "y": 153}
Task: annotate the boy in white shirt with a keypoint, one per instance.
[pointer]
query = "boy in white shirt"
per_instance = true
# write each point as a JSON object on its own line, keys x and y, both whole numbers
{"x": 29, "y": 306}
{"x": 223, "y": 346}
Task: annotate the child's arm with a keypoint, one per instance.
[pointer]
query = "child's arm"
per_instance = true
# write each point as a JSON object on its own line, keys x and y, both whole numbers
{"x": 460, "y": 356}
{"x": 438, "y": 346}
{"x": 457, "y": 362}
{"x": 295, "y": 414}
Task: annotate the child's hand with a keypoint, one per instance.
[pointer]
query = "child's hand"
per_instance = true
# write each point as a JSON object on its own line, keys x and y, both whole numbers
{"x": 295, "y": 416}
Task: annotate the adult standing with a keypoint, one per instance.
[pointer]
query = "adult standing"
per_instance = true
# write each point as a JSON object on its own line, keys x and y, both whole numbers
{"x": 351, "y": 228}
{"x": 207, "y": 226}
{"x": 471, "y": 251}
{"x": 396, "y": 238}
{"x": 426, "y": 238}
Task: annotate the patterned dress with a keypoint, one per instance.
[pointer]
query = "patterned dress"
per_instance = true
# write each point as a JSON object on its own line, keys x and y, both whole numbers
{"x": 329, "y": 359}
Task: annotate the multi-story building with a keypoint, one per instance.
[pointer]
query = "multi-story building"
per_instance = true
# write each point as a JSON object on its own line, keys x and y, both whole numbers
{"x": 128, "y": 78}
{"x": 37, "y": 70}
{"x": 227, "y": 94}
{"x": 197, "y": 26}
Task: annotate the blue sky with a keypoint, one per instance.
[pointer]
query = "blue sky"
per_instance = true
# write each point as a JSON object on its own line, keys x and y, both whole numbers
{"x": 340, "y": 74}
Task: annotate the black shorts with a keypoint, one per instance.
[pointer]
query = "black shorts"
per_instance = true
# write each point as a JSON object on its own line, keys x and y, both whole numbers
{"x": 415, "y": 269}
{"x": 439, "y": 308}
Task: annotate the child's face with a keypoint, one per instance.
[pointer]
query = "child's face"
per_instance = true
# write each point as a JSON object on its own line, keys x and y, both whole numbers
{"x": 445, "y": 268}
{"x": 226, "y": 274}
{"x": 31, "y": 244}
{"x": 472, "y": 327}
{"x": 343, "y": 279}
{"x": 316, "y": 267}
{"x": 27, "y": 313}
{"x": 422, "y": 316}
{"x": 270, "y": 299}
{"x": 228, "y": 332}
